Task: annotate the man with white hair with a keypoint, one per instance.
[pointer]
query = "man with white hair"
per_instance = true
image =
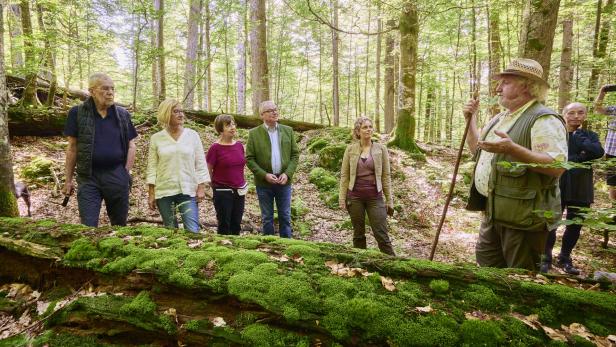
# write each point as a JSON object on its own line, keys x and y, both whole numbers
{"x": 101, "y": 146}
{"x": 272, "y": 156}
{"x": 576, "y": 186}
{"x": 520, "y": 203}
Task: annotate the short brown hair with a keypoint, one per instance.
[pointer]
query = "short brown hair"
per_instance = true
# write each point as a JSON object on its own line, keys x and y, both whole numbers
{"x": 358, "y": 123}
{"x": 222, "y": 120}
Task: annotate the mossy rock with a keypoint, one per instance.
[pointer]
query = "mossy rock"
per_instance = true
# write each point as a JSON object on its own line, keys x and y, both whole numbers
{"x": 38, "y": 170}
{"x": 316, "y": 144}
{"x": 330, "y": 157}
{"x": 323, "y": 179}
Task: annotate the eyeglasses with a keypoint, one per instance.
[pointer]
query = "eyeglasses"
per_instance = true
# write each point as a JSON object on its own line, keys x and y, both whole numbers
{"x": 271, "y": 111}
{"x": 176, "y": 111}
{"x": 107, "y": 88}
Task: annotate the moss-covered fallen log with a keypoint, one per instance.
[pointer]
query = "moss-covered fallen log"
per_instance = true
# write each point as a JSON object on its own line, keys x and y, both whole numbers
{"x": 45, "y": 121}
{"x": 146, "y": 285}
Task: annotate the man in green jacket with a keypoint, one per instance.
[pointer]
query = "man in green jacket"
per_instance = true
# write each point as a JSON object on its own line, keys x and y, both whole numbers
{"x": 272, "y": 155}
{"x": 520, "y": 203}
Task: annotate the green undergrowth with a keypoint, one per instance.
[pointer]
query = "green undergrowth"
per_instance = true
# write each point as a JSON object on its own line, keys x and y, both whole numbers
{"x": 289, "y": 278}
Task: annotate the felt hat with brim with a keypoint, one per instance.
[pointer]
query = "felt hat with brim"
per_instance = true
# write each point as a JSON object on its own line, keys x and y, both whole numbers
{"x": 523, "y": 67}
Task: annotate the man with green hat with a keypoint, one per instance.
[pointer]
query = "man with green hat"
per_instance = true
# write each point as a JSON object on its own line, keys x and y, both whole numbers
{"x": 520, "y": 203}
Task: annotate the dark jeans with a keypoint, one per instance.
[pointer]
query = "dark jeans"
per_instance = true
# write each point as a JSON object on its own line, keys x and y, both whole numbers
{"x": 499, "y": 246}
{"x": 570, "y": 237}
{"x": 111, "y": 185}
{"x": 229, "y": 210}
{"x": 377, "y": 215}
{"x": 186, "y": 205}
{"x": 282, "y": 196}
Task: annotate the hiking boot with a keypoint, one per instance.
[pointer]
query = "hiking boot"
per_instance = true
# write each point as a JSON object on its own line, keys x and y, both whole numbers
{"x": 567, "y": 265}
{"x": 545, "y": 267}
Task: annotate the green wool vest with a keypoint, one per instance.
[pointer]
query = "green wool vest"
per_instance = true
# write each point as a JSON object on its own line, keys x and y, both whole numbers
{"x": 519, "y": 198}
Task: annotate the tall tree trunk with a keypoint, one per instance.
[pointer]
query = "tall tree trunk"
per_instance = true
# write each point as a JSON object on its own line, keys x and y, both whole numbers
{"x": 155, "y": 78}
{"x": 200, "y": 65}
{"x": 390, "y": 91}
{"x": 494, "y": 50}
{"x": 428, "y": 133}
{"x": 336, "y": 68}
{"x": 537, "y": 32}
{"x": 600, "y": 43}
{"x": 29, "y": 98}
{"x": 16, "y": 36}
{"x": 409, "y": 35}
{"x": 8, "y": 204}
{"x": 566, "y": 68}
{"x": 159, "y": 7}
{"x": 47, "y": 27}
{"x": 138, "y": 27}
{"x": 258, "y": 51}
{"x": 225, "y": 47}
{"x": 377, "y": 98}
{"x": 207, "y": 81}
{"x": 194, "y": 16}
{"x": 365, "y": 108}
{"x": 241, "y": 62}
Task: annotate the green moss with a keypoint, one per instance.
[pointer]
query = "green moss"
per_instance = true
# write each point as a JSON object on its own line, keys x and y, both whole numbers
{"x": 519, "y": 334}
{"x": 439, "y": 286}
{"x": 330, "y": 157}
{"x": 140, "y": 305}
{"x": 310, "y": 254}
{"x": 15, "y": 341}
{"x": 181, "y": 279}
{"x": 82, "y": 249}
{"x": 323, "y": 179}
{"x": 548, "y": 315}
{"x": 192, "y": 325}
{"x": 481, "y": 333}
{"x": 434, "y": 330}
{"x": 111, "y": 246}
{"x": 482, "y": 297}
{"x": 54, "y": 339}
{"x": 168, "y": 324}
{"x": 38, "y": 170}
{"x": 262, "y": 335}
{"x": 315, "y": 144}
{"x": 330, "y": 286}
{"x": 246, "y": 243}
{"x": 596, "y": 327}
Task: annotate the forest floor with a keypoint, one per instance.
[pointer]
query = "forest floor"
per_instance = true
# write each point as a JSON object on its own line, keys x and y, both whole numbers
{"x": 420, "y": 188}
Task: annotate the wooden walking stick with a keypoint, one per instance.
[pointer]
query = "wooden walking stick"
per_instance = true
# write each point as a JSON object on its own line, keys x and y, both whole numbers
{"x": 453, "y": 181}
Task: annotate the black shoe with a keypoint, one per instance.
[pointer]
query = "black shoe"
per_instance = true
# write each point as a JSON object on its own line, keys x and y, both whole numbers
{"x": 570, "y": 269}
{"x": 545, "y": 267}
{"x": 567, "y": 265}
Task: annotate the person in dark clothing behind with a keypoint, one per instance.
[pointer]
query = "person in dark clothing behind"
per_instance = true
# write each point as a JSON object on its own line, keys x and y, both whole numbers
{"x": 101, "y": 149}
{"x": 576, "y": 186}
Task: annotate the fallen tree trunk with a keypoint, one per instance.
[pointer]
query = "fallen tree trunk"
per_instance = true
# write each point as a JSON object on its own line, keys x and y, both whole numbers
{"x": 17, "y": 84}
{"x": 50, "y": 121}
{"x": 148, "y": 285}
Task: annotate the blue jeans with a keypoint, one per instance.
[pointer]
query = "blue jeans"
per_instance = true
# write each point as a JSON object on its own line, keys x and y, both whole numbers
{"x": 110, "y": 185}
{"x": 282, "y": 195}
{"x": 187, "y": 206}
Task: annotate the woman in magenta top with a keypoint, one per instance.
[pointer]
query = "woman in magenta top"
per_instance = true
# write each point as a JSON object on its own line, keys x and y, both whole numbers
{"x": 226, "y": 161}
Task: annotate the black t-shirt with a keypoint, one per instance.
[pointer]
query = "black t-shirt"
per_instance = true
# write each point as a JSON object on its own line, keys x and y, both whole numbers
{"x": 108, "y": 151}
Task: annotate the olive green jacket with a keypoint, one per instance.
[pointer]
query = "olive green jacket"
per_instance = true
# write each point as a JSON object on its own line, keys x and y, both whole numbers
{"x": 519, "y": 198}
{"x": 259, "y": 153}
{"x": 348, "y": 171}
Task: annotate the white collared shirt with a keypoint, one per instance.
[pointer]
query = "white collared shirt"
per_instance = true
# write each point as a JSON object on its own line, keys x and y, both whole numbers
{"x": 176, "y": 166}
{"x": 275, "y": 142}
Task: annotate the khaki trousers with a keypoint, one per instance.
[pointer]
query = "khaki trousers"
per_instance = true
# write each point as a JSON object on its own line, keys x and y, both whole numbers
{"x": 499, "y": 246}
{"x": 377, "y": 215}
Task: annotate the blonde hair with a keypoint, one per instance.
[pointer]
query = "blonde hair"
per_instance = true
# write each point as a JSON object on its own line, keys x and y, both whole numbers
{"x": 536, "y": 89}
{"x": 164, "y": 111}
{"x": 358, "y": 123}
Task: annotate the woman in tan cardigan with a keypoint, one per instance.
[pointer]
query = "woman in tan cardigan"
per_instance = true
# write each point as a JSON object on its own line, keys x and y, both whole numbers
{"x": 365, "y": 186}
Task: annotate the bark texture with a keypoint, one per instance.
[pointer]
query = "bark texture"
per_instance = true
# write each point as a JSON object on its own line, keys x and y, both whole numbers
{"x": 566, "y": 66}
{"x": 258, "y": 51}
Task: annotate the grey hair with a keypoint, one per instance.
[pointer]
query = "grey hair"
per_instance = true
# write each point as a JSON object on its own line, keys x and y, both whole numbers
{"x": 95, "y": 78}
{"x": 570, "y": 105}
{"x": 536, "y": 89}
{"x": 263, "y": 106}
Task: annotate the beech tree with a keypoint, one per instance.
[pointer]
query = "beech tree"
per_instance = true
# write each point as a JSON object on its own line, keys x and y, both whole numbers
{"x": 537, "y": 32}
{"x": 258, "y": 54}
{"x": 8, "y": 204}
